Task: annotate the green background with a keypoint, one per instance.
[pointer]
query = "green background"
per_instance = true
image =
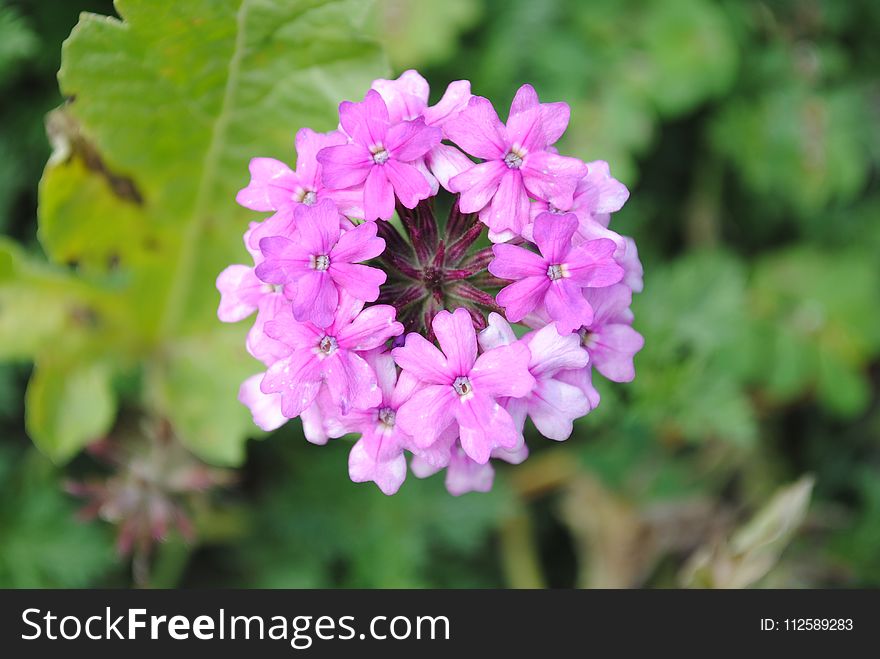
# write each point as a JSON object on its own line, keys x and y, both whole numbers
{"x": 746, "y": 452}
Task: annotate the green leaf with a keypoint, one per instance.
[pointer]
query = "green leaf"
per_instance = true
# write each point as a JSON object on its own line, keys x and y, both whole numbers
{"x": 171, "y": 100}
{"x": 68, "y": 406}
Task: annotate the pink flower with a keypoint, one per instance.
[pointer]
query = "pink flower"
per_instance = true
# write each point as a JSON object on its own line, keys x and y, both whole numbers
{"x": 556, "y": 277}
{"x": 378, "y": 455}
{"x": 407, "y": 98}
{"x": 517, "y": 161}
{"x": 610, "y": 338}
{"x": 457, "y": 387}
{"x": 276, "y": 187}
{"x": 379, "y": 156}
{"x": 320, "y": 261}
{"x": 463, "y": 474}
{"x": 553, "y": 404}
{"x": 265, "y": 408}
{"x": 329, "y": 355}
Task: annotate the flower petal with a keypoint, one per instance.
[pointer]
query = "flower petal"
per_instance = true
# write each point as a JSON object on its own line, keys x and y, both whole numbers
{"x": 478, "y": 131}
{"x": 515, "y": 262}
{"x": 271, "y": 187}
{"x": 458, "y": 340}
{"x": 370, "y": 329}
{"x": 409, "y": 184}
{"x": 316, "y": 298}
{"x": 364, "y": 465}
{"x": 567, "y": 306}
{"x": 357, "y": 244}
{"x": 344, "y": 166}
{"x": 424, "y": 360}
{"x": 509, "y": 208}
{"x": 552, "y": 352}
{"x": 317, "y": 226}
{"x": 265, "y": 408}
{"x": 378, "y": 195}
{"x": 551, "y": 177}
{"x": 521, "y": 297}
{"x": 365, "y": 122}
{"x": 406, "y": 98}
{"x": 240, "y": 293}
{"x": 483, "y": 425}
{"x": 360, "y": 281}
{"x": 409, "y": 140}
{"x": 503, "y": 371}
{"x": 592, "y": 264}
{"x": 427, "y": 414}
{"x": 446, "y": 161}
{"x": 351, "y": 381}
{"x": 478, "y": 185}
{"x": 454, "y": 100}
{"x": 464, "y": 475}
{"x": 498, "y": 332}
{"x": 297, "y": 378}
{"x": 552, "y": 234}
{"x": 553, "y": 406}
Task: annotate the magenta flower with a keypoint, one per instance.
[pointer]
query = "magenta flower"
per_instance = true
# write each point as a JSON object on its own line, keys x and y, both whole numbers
{"x": 378, "y": 455}
{"x": 517, "y": 163}
{"x": 569, "y": 280}
{"x": 407, "y": 98}
{"x": 379, "y": 157}
{"x": 556, "y": 277}
{"x": 553, "y": 404}
{"x": 610, "y": 338}
{"x": 320, "y": 261}
{"x": 457, "y": 387}
{"x": 329, "y": 355}
{"x": 276, "y": 187}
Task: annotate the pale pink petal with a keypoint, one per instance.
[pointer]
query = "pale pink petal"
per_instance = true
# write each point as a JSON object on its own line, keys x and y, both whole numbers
{"x": 271, "y": 187}
{"x": 364, "y": 466}
{"x": 258, "y": 344}
{"x": 509, "y": 208}
{"x": 359, "y": 281}
{"x": 428, "y": 413}
{"x": 457, "y": 338}
{"x": 525, "y": 98}
{"x": 567, "y": 306}
{"x": 284, "y": 260}
{"x": 446, "y": 162}
{"x": 317, "y": 226}
{"x": 483, "y": 425}
{"x": 406, "y": 98}
{"x": 316, "y": 298}
{"x": 525, "y": 130}
{"x": 409, "y": 140}
{"x": 365, "y": 122}
{"x": 409, "y": 184}
{"x": 498, "y": 332}
{"x": 553, "y": 406}
{"x": 552, "y": 234}
{"x": 612, "y": 348}
{"x": 297, "y": 378}
{"x": 378, "y": 195}
{"x": 503, "y": 371}
{"x": 351, "y": 381}
{"x": 552, "y": 352}
{"x": 611, "y": 304}
{"x": 422, "y": 359}
{"x": 592, "y": 264}
{"x": 240, "y": 293}
{"x": 478, "y": 131}
{"x": 552, "y": 178}
{"x": 455, "y": 99}
{"x": 344, "y": 166}
{"x": 279, "y": 224}
{"x": 583, "y": 380}
{"x": 554, "y": 120}
{"x": 370, "y": 329}
{"x": 465, "y": 475}
{"x": 632, "y": 266}
{"x": 514, "y": 262}
{"x": 521, "y": 297}
{"x": 357, "y": 244}
{"x": 265, "y": 408}
{"x": 598, "y": 191}
{"x": 478, "y": 185}
{"x": 589, "y": 229}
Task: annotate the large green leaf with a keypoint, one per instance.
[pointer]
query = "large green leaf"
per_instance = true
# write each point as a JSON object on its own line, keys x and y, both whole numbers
{"x": 169, "y": 103}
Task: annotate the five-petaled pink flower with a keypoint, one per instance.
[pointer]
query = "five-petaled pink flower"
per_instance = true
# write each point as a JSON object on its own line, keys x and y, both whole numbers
{"x": 320, "y": 261}
{"x": 379, "y": 157}
{"x": 329, "y": 356}
{"x": 557, "y": 276}
{"x": 518, "y": 161}
{"x": 458, "y": 387}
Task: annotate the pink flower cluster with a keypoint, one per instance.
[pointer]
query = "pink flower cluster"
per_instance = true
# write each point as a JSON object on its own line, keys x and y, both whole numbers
{"x": 407, "y": 340}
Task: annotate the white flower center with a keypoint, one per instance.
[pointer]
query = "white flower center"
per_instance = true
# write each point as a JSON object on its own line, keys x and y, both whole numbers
{"x": 588, "y": 339}
{"x": 463, "y": 387}
{"x": 309, "y": 198}
{"x": 380, "y": 154}
{"x": 556, "y": 211}
{"x": 327, "y": 345}
{"x": 557, "y": 271}
{"x": 319, "y": 261}
{"x": 387, "y": 417}
{"x": 513, "y": 159}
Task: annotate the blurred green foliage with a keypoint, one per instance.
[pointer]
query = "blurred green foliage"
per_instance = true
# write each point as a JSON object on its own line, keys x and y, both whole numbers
{"x": 746, "y": 452}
